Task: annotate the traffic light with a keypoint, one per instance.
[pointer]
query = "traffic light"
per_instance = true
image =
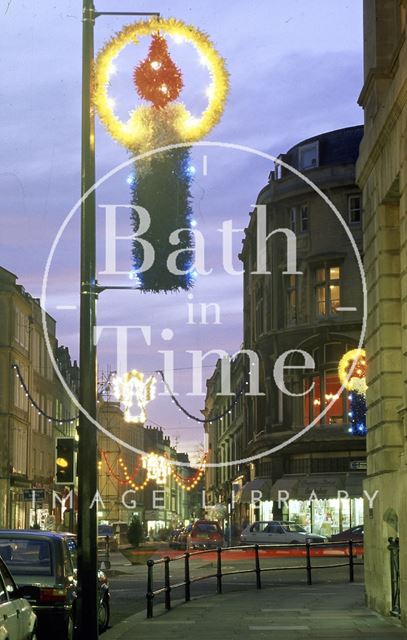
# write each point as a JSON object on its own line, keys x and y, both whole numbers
{"x": 65, "y": 461}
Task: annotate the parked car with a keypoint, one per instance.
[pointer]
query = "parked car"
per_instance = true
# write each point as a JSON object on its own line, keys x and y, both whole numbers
{"x": 17, "y": 618}
{"x": 45, "y": 569}
{"x": 277, "y": 532}
{"x": 354, "y": 533}
{"x": 205, "y": 534}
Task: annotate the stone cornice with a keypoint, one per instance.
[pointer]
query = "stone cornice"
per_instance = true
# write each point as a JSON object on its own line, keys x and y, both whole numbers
{"x": 372, "y": 147}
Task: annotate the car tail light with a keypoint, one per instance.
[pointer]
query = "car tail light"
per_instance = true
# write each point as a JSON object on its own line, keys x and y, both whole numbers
{"x": 52, "y": 596}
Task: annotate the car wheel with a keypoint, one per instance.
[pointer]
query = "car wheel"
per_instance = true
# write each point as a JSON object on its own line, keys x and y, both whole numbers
{"x": 104, "y": 615}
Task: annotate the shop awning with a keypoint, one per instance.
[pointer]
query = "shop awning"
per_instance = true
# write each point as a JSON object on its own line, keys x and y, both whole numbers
{"x": 301, "y": 486}
{"x": 258, "y": 484}
{"x": 354, "y": 484}
{"x": 323, "y": 486}
{"x": 287, "y": 483}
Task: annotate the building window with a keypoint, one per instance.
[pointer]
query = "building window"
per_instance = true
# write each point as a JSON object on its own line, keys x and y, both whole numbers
{"x": 50, "y": 412}
{"x": 354, "y": 209}
{"x": 293, "y": 218}
{"x": 304, "y": 219}
{"x": 292, "y": 300}
{"x": 259, "y": 310}
{"x": 20, "y": 396}
{"x": 324, "y": 392}
{"x": 36, "y": 345}
{"x": 327, "y": 290}
{"x": 19, "y": 450}
{"x": 308, "y": 156}
{"x": 22, "y": 329}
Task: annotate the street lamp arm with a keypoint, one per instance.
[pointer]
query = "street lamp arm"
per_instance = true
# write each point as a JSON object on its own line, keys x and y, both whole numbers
{"x": 101, "y": 288}
{"x": 126, "y": 13}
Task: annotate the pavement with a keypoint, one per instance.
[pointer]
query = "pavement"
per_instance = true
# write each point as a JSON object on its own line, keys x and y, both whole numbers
{"x": 295, "y": 611}
{"x": 324, "y": 611}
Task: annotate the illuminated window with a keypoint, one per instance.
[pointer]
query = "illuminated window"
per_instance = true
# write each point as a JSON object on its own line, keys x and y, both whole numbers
{"x": 327, "y": 290}
{"x": 312, "y": 398}
{"x": 324, "y": 392}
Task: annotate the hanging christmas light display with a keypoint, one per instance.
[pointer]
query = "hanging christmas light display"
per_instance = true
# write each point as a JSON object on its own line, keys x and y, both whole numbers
{"x": 133, "y": 391}
{"x": 192, "y": 481}
{"x": 161, "y": 182}
{"x": 158, "y": 467}
{"x": 128, "y": 478}
{"x": 352, "y": 374}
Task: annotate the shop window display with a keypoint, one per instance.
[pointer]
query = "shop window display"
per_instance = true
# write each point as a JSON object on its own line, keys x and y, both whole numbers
{"x": 325, "y": 517}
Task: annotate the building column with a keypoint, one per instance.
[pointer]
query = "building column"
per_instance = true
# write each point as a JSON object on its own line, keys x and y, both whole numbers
{"x": 384, "y": 397}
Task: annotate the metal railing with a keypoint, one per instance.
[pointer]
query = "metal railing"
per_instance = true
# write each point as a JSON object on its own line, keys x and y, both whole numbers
{"x": 167, "y": 588}
{"x": 394, "y": 548}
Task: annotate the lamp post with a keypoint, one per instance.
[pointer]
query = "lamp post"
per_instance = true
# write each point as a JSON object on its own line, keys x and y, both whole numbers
{"x": 86, "y": 614}
{"x": 86, "y": 617}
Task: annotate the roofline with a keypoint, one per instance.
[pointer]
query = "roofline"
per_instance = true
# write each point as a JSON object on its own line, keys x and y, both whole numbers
{"x": 321, "y": 135}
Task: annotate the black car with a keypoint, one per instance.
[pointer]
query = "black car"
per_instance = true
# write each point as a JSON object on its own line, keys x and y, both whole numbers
{"x": 45, "y": 569}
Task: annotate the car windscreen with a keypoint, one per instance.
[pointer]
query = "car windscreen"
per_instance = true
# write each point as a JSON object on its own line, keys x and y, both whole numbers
{"x": 28, "y": 557}
{"x": 293, "y": 528}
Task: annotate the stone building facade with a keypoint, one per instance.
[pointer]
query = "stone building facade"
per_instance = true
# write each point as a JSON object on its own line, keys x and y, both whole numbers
{"x": 382, "y": 174}
{"x": 225, "y": 439}
{"x": 317, "y": 310}
{"x": 27, "y": 454}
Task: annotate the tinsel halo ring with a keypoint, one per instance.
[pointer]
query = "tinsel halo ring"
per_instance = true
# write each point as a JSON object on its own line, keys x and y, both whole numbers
{"x": 187, "y": 128}
{"x": 345, "y": 364}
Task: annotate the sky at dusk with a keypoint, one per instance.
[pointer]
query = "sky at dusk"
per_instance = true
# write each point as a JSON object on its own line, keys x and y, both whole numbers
{"x": 295, "y": 71}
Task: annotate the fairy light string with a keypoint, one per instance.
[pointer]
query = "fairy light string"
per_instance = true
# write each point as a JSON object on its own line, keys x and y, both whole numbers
{"x": 189, "y": 415}
{"x": 35, "y": 404}
{"x": 185, "y": 483}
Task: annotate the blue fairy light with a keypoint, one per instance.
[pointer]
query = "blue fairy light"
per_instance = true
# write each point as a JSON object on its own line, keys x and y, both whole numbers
{"x": 133, "y": 275}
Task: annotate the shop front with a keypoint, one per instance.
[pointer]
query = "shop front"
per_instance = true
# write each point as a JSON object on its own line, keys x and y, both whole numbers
{"x": 254, "y": 502}
{"x": 322, "y": 503}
